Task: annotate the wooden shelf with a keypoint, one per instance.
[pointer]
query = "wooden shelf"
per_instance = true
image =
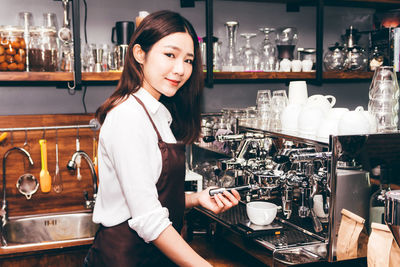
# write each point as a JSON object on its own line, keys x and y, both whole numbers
{"x": 263, "y": 75}
{"x": 115, "y": 76}
{"x": 57, "y": 76}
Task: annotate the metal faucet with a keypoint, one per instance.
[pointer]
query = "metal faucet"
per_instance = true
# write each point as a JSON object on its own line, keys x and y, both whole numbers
{"x": 3, "y": 211}
{"x": 89, "y": 204}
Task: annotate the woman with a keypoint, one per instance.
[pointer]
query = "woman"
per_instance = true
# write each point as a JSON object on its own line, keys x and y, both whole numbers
{"x": 141, "y": 197}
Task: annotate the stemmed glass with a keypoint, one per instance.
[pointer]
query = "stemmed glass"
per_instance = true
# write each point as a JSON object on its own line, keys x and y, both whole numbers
{"x": 249, "y": 56}
{"x": 268, "y": 51}
{"x": 230, "y": 58}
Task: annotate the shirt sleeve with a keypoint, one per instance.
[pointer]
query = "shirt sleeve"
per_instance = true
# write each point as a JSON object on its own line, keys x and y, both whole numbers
{"x": 134, "y": 153}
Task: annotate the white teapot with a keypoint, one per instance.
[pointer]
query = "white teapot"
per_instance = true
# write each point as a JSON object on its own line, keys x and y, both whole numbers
{"x": 320, "y": 101}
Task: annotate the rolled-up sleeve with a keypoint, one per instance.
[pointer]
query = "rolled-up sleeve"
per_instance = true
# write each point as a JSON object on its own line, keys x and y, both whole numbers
{"x": 131, "y": 145}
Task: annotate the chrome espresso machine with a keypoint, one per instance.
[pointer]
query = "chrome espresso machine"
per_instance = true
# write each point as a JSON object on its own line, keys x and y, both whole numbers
{"x": 310, "y": 180}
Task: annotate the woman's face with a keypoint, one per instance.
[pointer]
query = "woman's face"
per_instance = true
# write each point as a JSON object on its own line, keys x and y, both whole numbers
{"x": 168, "y": 64}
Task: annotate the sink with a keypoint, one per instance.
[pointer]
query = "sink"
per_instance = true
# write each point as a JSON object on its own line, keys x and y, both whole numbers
{"x": 50, "y": 227}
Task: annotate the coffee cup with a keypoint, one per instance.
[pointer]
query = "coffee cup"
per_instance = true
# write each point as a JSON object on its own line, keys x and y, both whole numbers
{"x": 260, "y": 212}
{"x": 285, "y": 65}
{"x": 297, "y": 92}
{"x": 321, "y": 101}
{"x": 354, "y": 122}
{"x": 307, "y": 65}
{"x": 296, "y": 65}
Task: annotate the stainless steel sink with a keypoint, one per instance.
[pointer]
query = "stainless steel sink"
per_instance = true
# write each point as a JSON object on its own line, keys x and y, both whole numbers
{"x": 50, "y": 227}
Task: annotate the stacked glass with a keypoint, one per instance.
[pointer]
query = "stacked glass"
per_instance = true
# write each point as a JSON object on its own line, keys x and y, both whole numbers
{"x": 263, "y": 107}
{"x": 384, "y": 99}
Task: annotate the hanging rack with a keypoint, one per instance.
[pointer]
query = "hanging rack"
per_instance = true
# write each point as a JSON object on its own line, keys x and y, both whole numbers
{"x": 93, "y": 124}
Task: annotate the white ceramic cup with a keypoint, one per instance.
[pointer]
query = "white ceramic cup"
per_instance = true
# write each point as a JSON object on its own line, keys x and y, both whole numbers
{"x": 296, "y": 65}
{"x": 309, "y": 120}
{"x": 289, "y": 117}
{"x": 260, "y": 212}
{"x": 285, "y": 65}
{"x": 306, "y": 65}
{"x": 329, "y": 124}
{"x": 318, "y": 207}
{"x": 298, "y": 93}
{"x": 354, "y": 122}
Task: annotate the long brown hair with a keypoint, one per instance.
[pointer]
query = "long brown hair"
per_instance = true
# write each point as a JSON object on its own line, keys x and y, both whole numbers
{"x": 184, "y": 106}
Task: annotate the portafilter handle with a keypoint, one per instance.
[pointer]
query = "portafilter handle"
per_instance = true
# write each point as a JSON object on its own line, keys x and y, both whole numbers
{"x": 392, "y": 213}
{"x": 215, "y": 191}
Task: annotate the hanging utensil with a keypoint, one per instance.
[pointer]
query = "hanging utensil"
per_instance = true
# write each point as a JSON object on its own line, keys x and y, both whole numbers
{"x": 27, "y": 185}
{"x": 64, "y": 33}
{"x": 95, "y": 155}
{"x": 45, "y": 178}
{"x": 78, "y": 158}
{"x": 57, "y": 180}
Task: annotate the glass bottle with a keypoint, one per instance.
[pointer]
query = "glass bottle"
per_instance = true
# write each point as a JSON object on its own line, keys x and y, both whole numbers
{"x": 43, "y": 49}
{"x": 230, "y": 60}
{"x": 268, "y": 51}
{"x": 12, "y": 49}
{"x": 377, "y": 200}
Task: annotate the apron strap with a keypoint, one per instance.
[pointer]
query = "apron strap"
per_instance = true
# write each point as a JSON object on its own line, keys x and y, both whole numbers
{"x": 148, "y": 115}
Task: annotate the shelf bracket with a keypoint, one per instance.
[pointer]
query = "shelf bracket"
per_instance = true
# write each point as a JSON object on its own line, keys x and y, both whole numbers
{"x": 77, "y": 45}
{"x": 209, "y": 41}
{"x": 319, "y": 41}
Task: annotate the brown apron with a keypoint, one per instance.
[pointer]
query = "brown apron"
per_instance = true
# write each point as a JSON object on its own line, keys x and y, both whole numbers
{"x": 120, "y": 245}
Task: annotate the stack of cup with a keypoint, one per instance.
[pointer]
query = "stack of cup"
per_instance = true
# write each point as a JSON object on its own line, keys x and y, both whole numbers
{"x": 263, "y": 108}
{"x": 384, "y": 99}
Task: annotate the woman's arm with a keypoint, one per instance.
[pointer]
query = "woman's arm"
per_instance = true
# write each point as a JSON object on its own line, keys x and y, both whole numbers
{"x": 177, "y": 250}
{"x": 217, "y": 203}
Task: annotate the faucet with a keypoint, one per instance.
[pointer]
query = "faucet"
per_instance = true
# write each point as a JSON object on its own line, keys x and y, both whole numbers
{"x": 3, "y": 211}
{"x": 89, "y": 204}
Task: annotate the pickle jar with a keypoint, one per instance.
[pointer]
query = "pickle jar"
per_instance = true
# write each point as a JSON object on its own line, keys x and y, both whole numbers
{"x": 43, "y": 49}
{"x": 12, "y": 49}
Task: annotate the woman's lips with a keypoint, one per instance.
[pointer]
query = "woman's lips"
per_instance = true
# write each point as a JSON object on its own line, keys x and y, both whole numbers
{"x": 173, "y": 82}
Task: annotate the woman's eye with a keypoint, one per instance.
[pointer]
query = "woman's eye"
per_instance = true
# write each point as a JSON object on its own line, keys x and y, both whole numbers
{"x": 169, "y": 55}
{"x": 190, "y": 61}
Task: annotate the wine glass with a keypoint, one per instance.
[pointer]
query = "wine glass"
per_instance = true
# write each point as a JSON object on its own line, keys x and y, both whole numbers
{"x": 249, "y": 56}
{"x": 268, "y": 51}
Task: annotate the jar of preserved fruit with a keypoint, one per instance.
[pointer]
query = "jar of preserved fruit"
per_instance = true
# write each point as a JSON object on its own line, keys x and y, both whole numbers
{"x": 12, "y": 49}
{"x": 43, "y": 49}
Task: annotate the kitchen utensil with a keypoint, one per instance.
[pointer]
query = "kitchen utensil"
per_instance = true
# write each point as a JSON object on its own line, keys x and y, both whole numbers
{"x": 27, "y": 185}
{"x": 45, "y": 178}
{"x": 64, "y": 33}
{"x": 260, "y": 212}
{"x": 124, "y": 31}
{"x": 78, "y": 158}
{"x": 57, "y": 179}
{"x": 215, "y": 191}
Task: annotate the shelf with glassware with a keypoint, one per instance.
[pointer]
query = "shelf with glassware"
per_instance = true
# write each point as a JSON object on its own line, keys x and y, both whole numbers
{"x": 57, "y": 76}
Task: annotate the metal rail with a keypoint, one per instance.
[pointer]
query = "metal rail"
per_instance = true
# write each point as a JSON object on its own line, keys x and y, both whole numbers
{"x": 93, "y": 124}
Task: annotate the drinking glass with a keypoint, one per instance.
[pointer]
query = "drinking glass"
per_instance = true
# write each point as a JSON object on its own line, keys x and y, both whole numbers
{"x": 268, "y": 51}
{"x": 279, "y": 101}
{"x": 263, "y": 106}
{"x": 248, "y": 55}
{"x": 384, "y": 84}
{"x": 50, "y": 21}
{"x": 230, "y": 59}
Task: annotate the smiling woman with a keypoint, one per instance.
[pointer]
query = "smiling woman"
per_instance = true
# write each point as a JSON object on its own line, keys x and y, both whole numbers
{"x": 146, "y": 123}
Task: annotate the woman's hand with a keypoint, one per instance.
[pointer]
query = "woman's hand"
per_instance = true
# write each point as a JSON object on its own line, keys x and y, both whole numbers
{"x": 219, "y": 202}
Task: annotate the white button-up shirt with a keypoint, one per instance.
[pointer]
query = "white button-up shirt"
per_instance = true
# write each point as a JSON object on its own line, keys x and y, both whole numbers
{"x": 130, "y": 165}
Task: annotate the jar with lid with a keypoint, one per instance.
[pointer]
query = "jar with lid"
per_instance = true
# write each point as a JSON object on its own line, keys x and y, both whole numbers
{"x": 12, "y": 49}
{"x": 43, "y": 49}
{"x": 334, "y": 59}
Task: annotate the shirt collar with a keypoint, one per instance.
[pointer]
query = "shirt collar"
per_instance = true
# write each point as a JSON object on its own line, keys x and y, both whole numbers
{"x": 151, "y": 104}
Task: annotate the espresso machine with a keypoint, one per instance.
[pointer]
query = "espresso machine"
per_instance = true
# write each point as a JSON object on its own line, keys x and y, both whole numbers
{"x": 309, "y": 180}
{"x": 123, "y": 31}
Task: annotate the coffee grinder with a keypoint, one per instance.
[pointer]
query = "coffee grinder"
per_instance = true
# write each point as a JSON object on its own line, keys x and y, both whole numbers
{"x": 123, "y": 31}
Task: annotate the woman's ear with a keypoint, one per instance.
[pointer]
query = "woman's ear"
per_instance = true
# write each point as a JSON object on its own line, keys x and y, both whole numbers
{"x": 138, "y": 53}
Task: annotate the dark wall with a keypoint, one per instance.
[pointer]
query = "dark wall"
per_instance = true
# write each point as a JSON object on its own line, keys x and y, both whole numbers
{"x": 102, "y": 15}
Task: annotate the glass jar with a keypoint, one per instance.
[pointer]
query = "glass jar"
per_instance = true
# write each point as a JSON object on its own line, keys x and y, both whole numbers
{"x": 334, "y": 59}
{"x": 43, "y": 49}
{"x": 356, "y": 59}
{"x": 12, "y": 49}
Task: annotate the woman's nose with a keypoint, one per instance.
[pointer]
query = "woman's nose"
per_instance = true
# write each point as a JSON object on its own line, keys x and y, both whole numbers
{"x": 179, "y": 67}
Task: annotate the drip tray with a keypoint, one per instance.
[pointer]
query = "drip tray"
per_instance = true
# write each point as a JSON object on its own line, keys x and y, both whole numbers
{"x": 277, "y": 235}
